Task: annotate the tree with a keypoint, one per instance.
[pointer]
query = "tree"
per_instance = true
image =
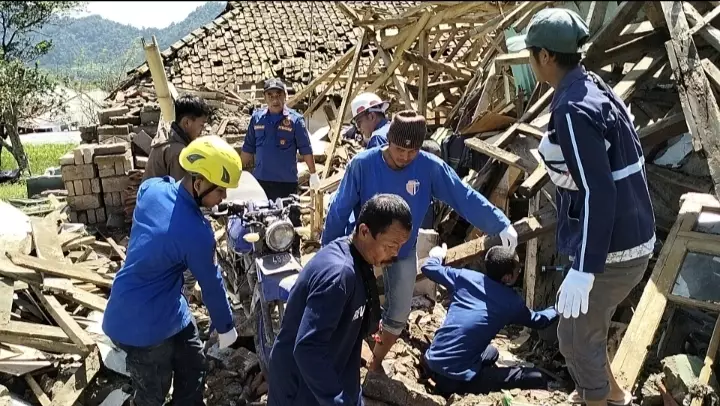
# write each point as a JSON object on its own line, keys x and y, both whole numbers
{"x": 25, "y": 90}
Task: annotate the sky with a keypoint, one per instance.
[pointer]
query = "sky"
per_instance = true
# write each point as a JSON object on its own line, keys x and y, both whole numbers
{"x": 148, "y": 14}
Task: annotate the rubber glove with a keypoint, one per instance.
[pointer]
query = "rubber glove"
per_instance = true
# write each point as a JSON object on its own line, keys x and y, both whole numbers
{"x": 314, "y": 181}
{"x": 439, "y": 252}
{"x": 509, "y": 237}
{"x": 227, "y": 339}
{"x": 574, "y": 294}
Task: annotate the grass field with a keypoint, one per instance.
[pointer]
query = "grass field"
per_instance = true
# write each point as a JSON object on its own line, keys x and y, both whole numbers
{"x": 41, "y": 156}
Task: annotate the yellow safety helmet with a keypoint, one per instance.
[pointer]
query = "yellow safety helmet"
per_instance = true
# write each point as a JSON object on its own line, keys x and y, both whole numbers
{"x": 214, "y": 159}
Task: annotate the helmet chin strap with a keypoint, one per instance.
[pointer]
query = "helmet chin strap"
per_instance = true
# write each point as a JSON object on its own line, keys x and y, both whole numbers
{"x": 199, "y": 197}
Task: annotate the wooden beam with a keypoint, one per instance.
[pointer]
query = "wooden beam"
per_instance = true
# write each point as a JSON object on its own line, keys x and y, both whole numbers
{"x": 456, "y": 71}
{"x": 396, "y": 81}
{"x": 629, "y": 51}
{"x": 533, "y": 183}
{"x": 706, "y": 20}
{"x": 712, "y": 73}
{"x": 347, "y": 96}
{"x": 500, "y": 154}
{"x": 42, "y": 344}
{"x": 707, "y": 32}
{"x": 412, "y": 35}
{"x": 662, "y": 130}
{"x": 654, "y": 13}
{"x": 78, "y": 336}
{"x": 305, "y": 91}
{"x": 515, "y": 58}
{"x": 609, "y": 32}
{"x": 423, "y": 91}
{"x": 58, "y": 269}
{"x": 596, "y": 15}
{"x": 308, "y": 113}
{"x": 696, "y": 95}
{"x": 35, "y": 330}
{"x": 647, "y": 65}
{"x": 6, "y": 301}
{"x": 527, "y": 228}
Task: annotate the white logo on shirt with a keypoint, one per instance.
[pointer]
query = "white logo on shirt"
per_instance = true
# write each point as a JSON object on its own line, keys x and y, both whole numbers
{"x": 412, "y": 187}
{"x": 359, "y": 313}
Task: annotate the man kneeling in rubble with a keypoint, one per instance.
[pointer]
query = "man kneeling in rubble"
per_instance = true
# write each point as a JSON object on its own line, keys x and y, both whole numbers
{"x": 461, "y": 358}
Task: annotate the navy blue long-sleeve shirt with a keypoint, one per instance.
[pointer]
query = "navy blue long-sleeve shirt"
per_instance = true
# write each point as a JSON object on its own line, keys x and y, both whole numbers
{"x": 168, "y": 236}
{"x": 479, "y": 309}
{"x": 316, "y": 357}
{"x": 424, "y": 178}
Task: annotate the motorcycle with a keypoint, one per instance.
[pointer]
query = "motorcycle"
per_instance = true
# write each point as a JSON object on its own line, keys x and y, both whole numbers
{"x": 262, "y": 258}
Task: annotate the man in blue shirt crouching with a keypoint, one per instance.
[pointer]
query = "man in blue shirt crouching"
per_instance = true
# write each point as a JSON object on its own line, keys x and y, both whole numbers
{"x": 147, "y": 315}
{"x": 461, "y": 358}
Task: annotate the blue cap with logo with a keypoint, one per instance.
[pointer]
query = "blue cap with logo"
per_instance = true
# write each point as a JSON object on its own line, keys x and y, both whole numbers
{"x": 558, "y": 30}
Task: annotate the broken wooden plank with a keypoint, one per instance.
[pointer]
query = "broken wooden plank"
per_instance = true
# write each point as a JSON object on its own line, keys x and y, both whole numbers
{"x": 78, "y": 336}
{"x": 533, "y": 183}
{"x": 527, "y": 228}
{"x": 456, "y": 71}
{"x": 45, "y": 238}
{"x": 662, "y": 130}
{"x": 630, "y": 50}
{"x": 515, "y": 58}
{"x": 423, "y": 91}
{"x": 500, "y": 154}
{"x": 347, "y": 95}
{"x": 609, "y": 32}
{"x": 305, "y": 91}
{"x": 75, "y": 294}
{"x": 14, "y": 272}
{"x": 58, "y": 269}
{"x": 707, "y": 32}
{"x": 7, "y": 291}
{"x": 647, "y": 65}
{"x": 696, "y": 95}
{"x": 34, "y": 330}
{"x": 37, "y": 390}
{"x": 596, "y": 15}
{"x": 73, "y": 387}
{"x": 712, "y": 73}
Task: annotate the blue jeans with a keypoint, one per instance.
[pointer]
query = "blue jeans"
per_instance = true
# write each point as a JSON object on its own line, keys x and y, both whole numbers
{"x": 399, "y": 280}
{"x": 151, "y": 369}
{"x": 491, "y": 378}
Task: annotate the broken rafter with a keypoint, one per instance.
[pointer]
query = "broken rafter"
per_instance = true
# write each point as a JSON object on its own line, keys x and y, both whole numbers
{"x": 457, "y": 71}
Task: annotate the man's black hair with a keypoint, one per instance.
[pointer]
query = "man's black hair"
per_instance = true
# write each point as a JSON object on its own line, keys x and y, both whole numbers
{"x": 381, "y": 210}
{"x": 499, "y": 262}
{"x": 563, "y": 60}
{"x": 191, "y": 106}
{"x": 432, "y": 147}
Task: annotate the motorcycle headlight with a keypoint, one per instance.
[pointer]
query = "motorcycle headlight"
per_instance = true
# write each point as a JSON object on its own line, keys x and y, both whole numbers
{"x": 280, "y": 235}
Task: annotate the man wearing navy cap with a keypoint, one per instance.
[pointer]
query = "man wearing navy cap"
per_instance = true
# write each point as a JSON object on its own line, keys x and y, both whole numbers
{"x": 275, "y": 135}
{"x": 605, "y": 217}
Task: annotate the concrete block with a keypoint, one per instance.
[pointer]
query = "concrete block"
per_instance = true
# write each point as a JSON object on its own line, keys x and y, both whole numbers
{"x": 95, "y": 185}
{"x": 67, "y": 159}
{"x": 70, "y": 188}
{"x": 118, "y": 130}
{"x": 75, "y": 172}
{"x": 100, "y": 215}
{"x": 112, "y": 200}
{"x": 85, "y": 202}
{"x": 105, "y": 170}
{"x": 104, "y": 115}
{"x": 141, "y": 162}
{"x": 113, "y": 139}
{"x": 111, "y": 149}
{"x": 120, "y": 167}
{"x": 87, "y": 188}
{"x": 82, "y": 217}
{"x": 149, "y": 117}
{"x": 78, "y": 155}
{"x": 681, "y": 373}
{"x": 111, "y": 159}
{"x": 124, "y": 120}
{"x": 78, "y": 185}
{"x": 143, "y": 141}
{"x": 113, "y": 184}
{"x": 91, "y": 217}
{"x": 73, "y": 216}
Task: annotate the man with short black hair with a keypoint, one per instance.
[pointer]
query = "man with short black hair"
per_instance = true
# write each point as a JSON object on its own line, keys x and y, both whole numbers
{"x": 191, "y": 115}
{"x": 461, "y": 358}
{"x": 606, "y": 222}
{"x": 401, "y": 168}
{"x": 332, "y": 307}
{"x": 275, "y": 135}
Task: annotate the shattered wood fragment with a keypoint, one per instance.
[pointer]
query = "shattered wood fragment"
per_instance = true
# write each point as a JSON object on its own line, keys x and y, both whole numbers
{"x": 75, "y": 294}
{"x": 456, "y": 71}
{"x": 12, "y": 271}
{"x": 45, "y": 237}
{"x": 533, "y": 183}
{"x": 662, "y": 130}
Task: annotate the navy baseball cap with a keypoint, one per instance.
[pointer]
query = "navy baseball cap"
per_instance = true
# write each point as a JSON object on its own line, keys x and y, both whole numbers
{"x": 274, "y": 83}
{"x": 558, "y": 30}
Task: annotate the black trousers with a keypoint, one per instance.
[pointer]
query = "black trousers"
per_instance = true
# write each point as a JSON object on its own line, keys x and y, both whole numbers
{"x": 491, "y": 378}
{"x": 273, "y": 190}
{"x": 179, "y": 359}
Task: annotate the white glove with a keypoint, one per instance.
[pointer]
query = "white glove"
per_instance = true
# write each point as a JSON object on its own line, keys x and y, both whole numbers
{"x": 574, "y": 294}
{"x": 439, "y": 252}
{"x": 227, "y": 339}
{"x": 509, "y": 237}
{"x": 314, "y": 181}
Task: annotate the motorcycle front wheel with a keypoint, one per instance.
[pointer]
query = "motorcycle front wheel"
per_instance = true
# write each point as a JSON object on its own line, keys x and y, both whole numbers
{"x": 262, "y": 347}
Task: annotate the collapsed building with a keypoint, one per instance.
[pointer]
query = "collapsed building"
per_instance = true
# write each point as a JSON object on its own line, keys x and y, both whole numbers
{"x": 456, "y": 63}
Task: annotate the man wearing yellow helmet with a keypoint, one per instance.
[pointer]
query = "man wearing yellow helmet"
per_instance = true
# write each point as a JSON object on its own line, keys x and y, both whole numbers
{"x": 147, "y": 316}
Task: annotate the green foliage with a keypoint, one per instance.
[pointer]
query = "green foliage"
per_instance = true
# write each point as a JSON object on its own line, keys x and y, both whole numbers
{"x": 91, "y": 49}
{"x": 41, "y": 157}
